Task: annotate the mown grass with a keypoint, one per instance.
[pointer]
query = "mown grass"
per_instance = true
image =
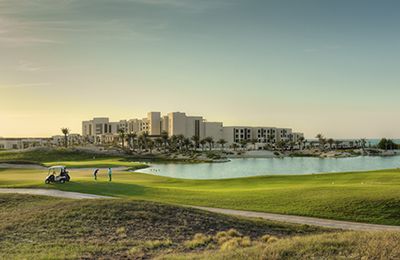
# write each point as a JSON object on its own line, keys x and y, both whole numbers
{"x": 372, "y": 197}
{"x": 38, "y": 227}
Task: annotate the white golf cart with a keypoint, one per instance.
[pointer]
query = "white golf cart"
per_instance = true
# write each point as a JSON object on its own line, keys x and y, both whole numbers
{"x": 57, "y": 174}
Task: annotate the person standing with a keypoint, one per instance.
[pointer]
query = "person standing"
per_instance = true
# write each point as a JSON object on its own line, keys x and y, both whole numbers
{"x": 109, "y": 174}
{"x": 95, "y": 174}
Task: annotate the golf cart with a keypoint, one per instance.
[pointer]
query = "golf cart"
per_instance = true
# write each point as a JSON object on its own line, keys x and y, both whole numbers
{"x": 57, "y": 174}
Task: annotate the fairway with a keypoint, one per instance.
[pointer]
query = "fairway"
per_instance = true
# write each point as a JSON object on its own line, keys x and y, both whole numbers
{"x": 372, "y": 197}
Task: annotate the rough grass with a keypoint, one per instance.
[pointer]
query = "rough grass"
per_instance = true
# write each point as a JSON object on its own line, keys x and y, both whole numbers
{"x": 345, "y": 245}
{"x": 372, "y": 197}
{"x": 38, "y": 227}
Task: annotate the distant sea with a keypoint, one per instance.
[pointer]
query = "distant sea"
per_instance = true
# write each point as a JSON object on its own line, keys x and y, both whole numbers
{"x": 370, "y": 142}
{"x": 376, "y": 141}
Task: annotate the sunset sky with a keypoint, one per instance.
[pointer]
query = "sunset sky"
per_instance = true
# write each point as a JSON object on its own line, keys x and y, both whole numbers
{"x": 312, "y": 65}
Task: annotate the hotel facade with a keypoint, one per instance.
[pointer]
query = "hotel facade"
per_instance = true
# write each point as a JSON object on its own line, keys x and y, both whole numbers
{"x": 101, "y": 129}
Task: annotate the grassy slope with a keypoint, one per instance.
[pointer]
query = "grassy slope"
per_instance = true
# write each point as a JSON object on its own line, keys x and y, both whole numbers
{"x": 367, "y": 197}
{"x": 36, "y": 227}
{"x": 348, "y": 245}
{"x": 69, "y": 158}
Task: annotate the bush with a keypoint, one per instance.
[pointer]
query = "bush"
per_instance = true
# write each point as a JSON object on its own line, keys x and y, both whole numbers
{"x": 199, "y": 240}
{"x": 155, "y": 244}
{"x": 233, "y": 233}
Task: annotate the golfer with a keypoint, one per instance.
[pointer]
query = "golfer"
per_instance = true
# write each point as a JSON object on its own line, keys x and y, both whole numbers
{"x": 109, "y": 174}
{"x": 95, "y": 174}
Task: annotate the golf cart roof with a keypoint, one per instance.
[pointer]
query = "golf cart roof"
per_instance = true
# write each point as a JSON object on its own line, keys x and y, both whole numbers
{"x": 56, "y": 167}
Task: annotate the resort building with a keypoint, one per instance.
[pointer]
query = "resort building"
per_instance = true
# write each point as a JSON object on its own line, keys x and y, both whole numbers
{"x": 22, "y": 143}
{"x": 28, "y": 142}
{"x": 178, "y": 123}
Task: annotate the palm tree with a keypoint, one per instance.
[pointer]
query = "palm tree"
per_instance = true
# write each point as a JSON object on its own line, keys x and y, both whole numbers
{"x": 363, "y": 141}
{"x": 159, "y": 142}
{"x": 321, "y": 141}
{"x": 281, "y": 144}
{"x": 210, "y": 141}
{"x": 65, "y": 132}
{"x": 301, "y": 142}
{"x": 164, "y": 137}
{"x": 150, "y": 144}
{"x": 330, "y": 142}
{"x": 131, "y": 139}
{"x": 173, "y": 142}
{"x": 145, "y": 139}
{"x": 243, "y": 143}
{"x": 253, "y": 142}
{"x": 121, "y": 134}
{"x": 186, "y": 142}
{"x": 203, "y": 143}
{"x": 235, "y": 146}
{"x": 222, "y": 142}
{"x": 180, "y": 140}
{"x": 196, "y": 140}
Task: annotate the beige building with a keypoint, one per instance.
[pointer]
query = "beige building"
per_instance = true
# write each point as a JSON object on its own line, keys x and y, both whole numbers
{"x": 23, "y": 143}
{"x": 178, "y": 123}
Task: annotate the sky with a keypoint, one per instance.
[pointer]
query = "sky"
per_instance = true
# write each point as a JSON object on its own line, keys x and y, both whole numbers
{"x": 316, "y": 66}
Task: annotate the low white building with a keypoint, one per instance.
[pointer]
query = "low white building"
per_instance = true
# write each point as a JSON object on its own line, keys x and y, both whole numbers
{"x": 23, "y": 143}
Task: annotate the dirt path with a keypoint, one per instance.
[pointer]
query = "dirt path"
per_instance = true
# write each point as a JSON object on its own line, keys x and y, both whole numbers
{"x": 345, "y": 225}
{"x": 54, "y": 193}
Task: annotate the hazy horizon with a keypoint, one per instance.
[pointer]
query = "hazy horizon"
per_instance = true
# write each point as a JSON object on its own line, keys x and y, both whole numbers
{"x": 315, "y": 66}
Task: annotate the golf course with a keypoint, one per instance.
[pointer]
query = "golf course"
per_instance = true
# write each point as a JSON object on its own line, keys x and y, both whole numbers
{"x": 371, "y": 197}
{"x": 368, "y": 197}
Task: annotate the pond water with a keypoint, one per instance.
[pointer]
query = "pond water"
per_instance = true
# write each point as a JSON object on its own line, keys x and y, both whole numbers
{"x": 272, "y": 166}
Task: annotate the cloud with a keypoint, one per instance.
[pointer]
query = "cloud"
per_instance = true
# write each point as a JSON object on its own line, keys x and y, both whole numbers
{"x": 25, "y": 85}
{"x": 24, "y": 65}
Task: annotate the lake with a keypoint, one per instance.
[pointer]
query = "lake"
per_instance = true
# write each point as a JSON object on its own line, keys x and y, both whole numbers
{"x": 272, "y": 166}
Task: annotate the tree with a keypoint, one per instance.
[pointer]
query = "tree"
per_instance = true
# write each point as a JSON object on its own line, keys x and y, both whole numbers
{"x": 164, "y": 137}
{"x": 222, "y": 143}
{"x": 321, "y": 141}
{"x": 159, "y": 142}
{"x": 196, "y": 140}
{"x": 144, "y": 139}
{"x": 301, "y": 142}
{"x": 186, "y": 143}
{"x": 270, "y": 138}
{"x": 330, "y": 142}
{"x": 363, "y": 142}
{"x": 150, "y": 145}
{"x": 387, "y": 144}
{"x": 337, "y": 144}
{"x": 209, "y": 141}
{"x": 131, "y": 139}
{"x": 243, "y": 143}
{"x": 173, "y": 142}
{"x": 180, "y": 139}
{"x": 121, "y": 134}
{"x": 253, "y": 142}
{"x": 203, "y": 143}
{"x": 235, "y": 146}
{"x": 65, "y": 132}
{"x": 281, "y": 144}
